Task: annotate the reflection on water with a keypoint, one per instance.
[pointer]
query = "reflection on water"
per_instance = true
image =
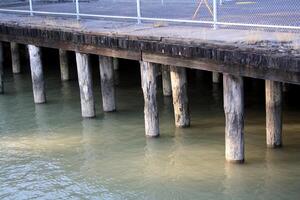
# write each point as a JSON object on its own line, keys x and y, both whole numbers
{"x": 48, "y": 151}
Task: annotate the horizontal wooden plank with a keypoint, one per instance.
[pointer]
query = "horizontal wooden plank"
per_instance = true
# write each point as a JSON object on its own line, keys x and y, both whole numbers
{"x": 253, "y": 62}
{"x": 208, "y": 65}
{"x": 70, "y": 46}
{"x": 275, "y": 56}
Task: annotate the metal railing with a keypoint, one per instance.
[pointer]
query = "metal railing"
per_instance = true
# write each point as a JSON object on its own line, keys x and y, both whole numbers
{"x": 216, "y": 13}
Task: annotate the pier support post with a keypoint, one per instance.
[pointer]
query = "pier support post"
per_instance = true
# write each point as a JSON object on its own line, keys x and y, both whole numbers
{"x": 116, "y": 71}
{"x": 1, "y": 68}
{"x": 85, "y": 85}
{"x": 216, "y": 77}
{"x": 285, "y": 87}
{"x": 180, "y": 96}
{"x": 107, "y": 83}
{"x": 15, "y": 58}
{"x": 148, "y": 79}
{"x": 64, "y": 65}
{"x": 166, "y": 80}
{"x": 234, "y": 117}
{"x": 273, "y": 113}
{"x": 38, "y": 84}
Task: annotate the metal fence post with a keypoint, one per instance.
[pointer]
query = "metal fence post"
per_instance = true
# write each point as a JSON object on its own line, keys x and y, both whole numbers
{"x": 138, "y": 11}
{"x": 77, "y": 9}
{"x": 30, "y": 8}
{"x": 215, "y": 12}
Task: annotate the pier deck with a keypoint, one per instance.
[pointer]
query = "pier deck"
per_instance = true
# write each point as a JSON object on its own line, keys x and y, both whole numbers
{"x": 257, "y": 54}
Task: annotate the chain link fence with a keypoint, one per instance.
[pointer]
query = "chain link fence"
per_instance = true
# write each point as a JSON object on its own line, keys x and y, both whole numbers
{"x": 250, "y": 14}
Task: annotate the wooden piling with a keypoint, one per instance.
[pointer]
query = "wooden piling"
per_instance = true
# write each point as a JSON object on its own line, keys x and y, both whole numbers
{"x": 64, "y": 65}
{"x": 234, "y": 117}
{"x": 107, "y": 83}
{"x": 180, "y": 96}
{"x": 116, "y": 63}
{"x": 166, "y": 80}
{"x": 273, "y": 113}
{"x": 285, "y": 87}
{"x": 148, "y": 80}
{"x": 1, "y": 68}
{"x": 216, "y": 77}
{"x": 116, "y": 71}
{"x": 85, "y": 85}
{"x": 15, "y": 58}
{"x": 38, "y": 84}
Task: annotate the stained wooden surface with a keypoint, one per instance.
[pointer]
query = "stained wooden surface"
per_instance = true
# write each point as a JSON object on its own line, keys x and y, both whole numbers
{"x": 37, "y": 76}
{"x": 216, "y": 77}
{"x": 180, "y": 96}
{"x": 166, "y": 80}
{"x": 228, "y": 51}
{"x": 107, "y": 83}
{"x": 273, "y": 114}
{"x": 15, "y": 58}
{"x": 148, "y": 81}
{"x": 85, "y": 85}
{"x": 234, "y": 118}
{"x": 64, "y": 65}
{"x": 116, "y": 71}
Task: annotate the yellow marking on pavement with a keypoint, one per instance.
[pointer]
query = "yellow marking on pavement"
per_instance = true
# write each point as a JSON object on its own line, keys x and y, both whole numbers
{"x": 245, "y": 2}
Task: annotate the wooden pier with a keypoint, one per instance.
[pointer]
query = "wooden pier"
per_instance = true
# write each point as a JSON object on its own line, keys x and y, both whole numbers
{"x": 173, "y": 49}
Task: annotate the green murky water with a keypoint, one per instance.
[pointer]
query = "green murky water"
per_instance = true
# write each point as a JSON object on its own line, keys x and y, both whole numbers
{"x": 49, "y": 152}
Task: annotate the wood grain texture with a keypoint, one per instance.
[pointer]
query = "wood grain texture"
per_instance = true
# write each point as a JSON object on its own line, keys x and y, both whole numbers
{"x": 273, "y": 113}
{"x": 238, "y": 59}
{"x": 15, "y": 58}
{"x": 85, "y": 85}
{"x": 64, "y": 65}
{"x": 107, "y": 83}
{"x": 234, "y": 118}
{"x": 180, "y": 96}
{"x": 166, "y": 80}
{"x": 37, "y": 76}
{"x": 216, "y": 77}
{"x": 148, "y": 81}
{"x": 275, "y": 74}
{"x": 116, "y": 71}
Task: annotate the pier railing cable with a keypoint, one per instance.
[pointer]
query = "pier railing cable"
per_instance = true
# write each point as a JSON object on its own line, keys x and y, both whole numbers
{"x": 216, "y": 13}
{"x": 77, "y": 9}
{"x": 138, "y": 11}
{"x": 30, "y": 8}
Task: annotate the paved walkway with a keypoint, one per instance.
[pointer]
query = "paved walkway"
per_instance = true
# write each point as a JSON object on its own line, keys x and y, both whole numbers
{"x": 274, "y": 12}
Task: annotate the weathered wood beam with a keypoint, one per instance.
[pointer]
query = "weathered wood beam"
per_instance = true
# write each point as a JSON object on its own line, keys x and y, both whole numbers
{"x": 15, "y": 58}
{"x": 1, "y": 68}
{"x": 107, "y": 83}
{"x": 234, "y": 118}
{"x": 180, "y": 96}
{"x": 75, "y": 46}
{"x": 209, "y": 65}
{"x": 273, "y": 113}
{"x": 240, "y": 60}
{"x": 85, "y": 85}
{"x": 166, "y": 80}
{"x": 148, "y": 81}
{"x": 38, "y": 84}
{"x": 64, "y": 65}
